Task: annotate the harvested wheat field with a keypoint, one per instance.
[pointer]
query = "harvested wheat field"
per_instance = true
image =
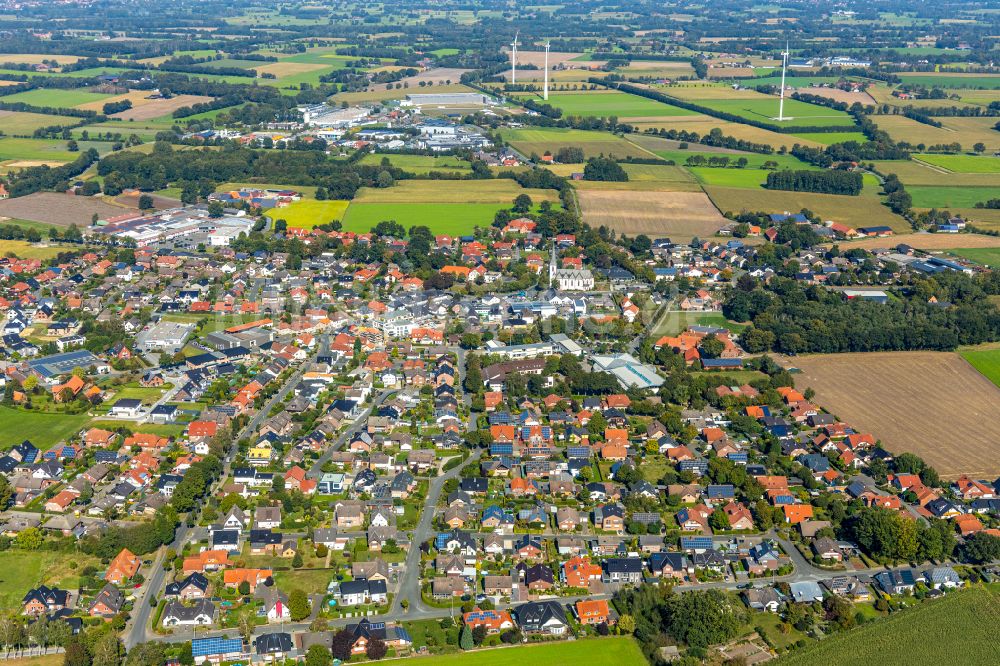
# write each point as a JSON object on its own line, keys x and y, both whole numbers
{"x": 679, "y": 215}
{"x": 838, "y": 95}
{"x": 137, "y": 97}
{"x": 933, "y": 404}
{"x": 925, "y": 241}
{"x": 156, "y": 108}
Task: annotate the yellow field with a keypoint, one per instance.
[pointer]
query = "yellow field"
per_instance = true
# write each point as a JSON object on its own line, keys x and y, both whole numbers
{"x": 678, "y": 215}
{"x": 37, "y": 58}
{"x": 926, "y": 241}
{"x": 307, "y": 214}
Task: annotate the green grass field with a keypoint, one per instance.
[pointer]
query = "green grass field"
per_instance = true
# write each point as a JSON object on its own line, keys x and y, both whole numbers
{"x": 961, "y": 626}
{"x": 22, "y": 123}
{"x": 602, "y": 104}
{"x": 672, "y": 323}
{"x": 944, "y": 80}
{"x": 56, "y": 97}
{"x": 440, "y": 218}
{"x": 308, "y": 213}
{"x": 987, "y": 256}
{"x": 751, "y": 178}
{"x": 419, "y": 164}
{"x": 20, "y": 571}
{"x": 765, "y": 108}
{"x": 963, "y": 163}
{"x": 930, "y": 196}
{"x": 44, "y": 430}
{"x": 986, "y": 361}
{"x": 593, "y": 652}
{"x": 828, "y": 138}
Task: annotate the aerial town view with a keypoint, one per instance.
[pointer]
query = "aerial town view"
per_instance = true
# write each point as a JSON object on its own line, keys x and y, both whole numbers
{"x": 492, "y": 333}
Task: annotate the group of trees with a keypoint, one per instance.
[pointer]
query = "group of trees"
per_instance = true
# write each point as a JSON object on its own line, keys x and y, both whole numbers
{"x": 196, "y": 482}
{"x": 605, "y": 169}
{"x": 831, "y": 181}
{"x": 695, "y": 619}
{"x": 801, "y": 318}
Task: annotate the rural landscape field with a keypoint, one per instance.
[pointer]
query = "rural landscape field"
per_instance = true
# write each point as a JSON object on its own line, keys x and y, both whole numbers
{"x": 499, "y": 333}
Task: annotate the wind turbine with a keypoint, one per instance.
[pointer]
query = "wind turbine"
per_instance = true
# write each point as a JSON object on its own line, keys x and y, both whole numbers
{"x": 781, "y": 98}
{"x": 513, "y": 58}
{"x": 545, "y": 87}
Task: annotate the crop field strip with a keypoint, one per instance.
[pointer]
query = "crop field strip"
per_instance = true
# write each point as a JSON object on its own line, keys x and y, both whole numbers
{"x": 933, "y": 404}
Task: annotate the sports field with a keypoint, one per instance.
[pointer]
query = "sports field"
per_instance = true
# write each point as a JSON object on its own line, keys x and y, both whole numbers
{"x": 593, "y": 652}
{"x": 605, "y": 103}
{"x": 308, "y": 213}
{"x": 934, "y": 632}
{"x": 933, "y": 404}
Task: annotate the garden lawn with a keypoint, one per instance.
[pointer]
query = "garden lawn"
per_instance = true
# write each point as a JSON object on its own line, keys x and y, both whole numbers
{"x": 933, "y": 632}
{"x": 44, "y": 430}
{"x": 592, "y": 652}
{"x": 306, "y": 214}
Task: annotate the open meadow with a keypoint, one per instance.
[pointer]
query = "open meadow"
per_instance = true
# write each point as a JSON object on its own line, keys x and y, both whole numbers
{"x": 20, "y": 571}
{"x": 43, "y": 429}
{"x": 934, "y": 632}
{"x": 933, "y": 404}
{"x": 23, "y": 123}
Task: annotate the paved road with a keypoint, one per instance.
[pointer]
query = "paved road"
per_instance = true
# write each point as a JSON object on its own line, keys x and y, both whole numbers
{"x": 316, "y": 471}
{"x": 139, "y": 630}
